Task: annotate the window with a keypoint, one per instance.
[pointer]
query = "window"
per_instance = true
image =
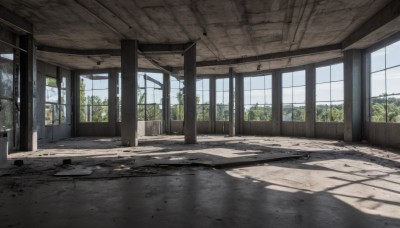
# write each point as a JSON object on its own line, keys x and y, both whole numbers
{"x": 177, "y": 98}
{"x": 294, "y": 96}
{"x": 385, "y": 81}
{"x": 203, "y": 99}
{"x": 63, "y": 101}
{"x": 222, "y": 99}
{"x": 149, "y": 96}
{"x": 6, "y": 89}
{"x": 329, "y": 93}
{"x": 52, "y": 116}
{"x": 94, "y": 98}
{"x": 153, "y": 95}
{"x": 258, "y": 98}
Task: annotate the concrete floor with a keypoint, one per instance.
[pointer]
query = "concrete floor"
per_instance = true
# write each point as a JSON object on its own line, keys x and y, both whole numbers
{"x": 338, "y": 185}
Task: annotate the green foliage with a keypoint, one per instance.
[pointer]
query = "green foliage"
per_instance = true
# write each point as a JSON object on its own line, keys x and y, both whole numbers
{"x": 329, "y": 113}
{"x": 94, "y": 105}
{"x": 177, "y": 110}
{"x": 258, "y": 113}
{"x": 379, "y": 109}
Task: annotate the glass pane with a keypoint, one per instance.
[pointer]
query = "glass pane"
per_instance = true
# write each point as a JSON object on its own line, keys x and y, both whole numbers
{"x": 268, "y": 82}
{"x": 378, "y": 60}
{"x": 268, "y": 96}
{"x": 322, "y": 111}
{"x": 199, "y": 84}
{"x": 226, "y": 84}
{"x": 257, "y": 83}
{"x": 378, "y": 109}
{"x": 226, "y": 98}
{"x": 392, "y": 55}
{"x": 299, "y": 112}
{"x": 378, "y": 87}
{"x": 323, "y": 92}
{"x": 86, "y": 83}
{"x": 287, "y": 80}
{"x": 63, "y": 114}
{"x": 141, "y": 112}
{"x": 299, "y": 78}
{"x": 257, "y": 97}
{"x": 337, "y": 72}
{"x": 247, "y": 97}
{"x": 100, "y": 81}
{"x": 63, "y": 83}
{"x": 100, "y": 97}
{"x": 177, "y": 112}
{"x": 6, "y": 115}
{"x": 153, "y": 112}
{"x": 287, "y": 96}
{"x": 393, "y": 80}
{"x": 219, "y": 83}
{"x": 99, "y": 113}
{"x": 337, "y": 91}
{"x": 246, "y": 112}
{"x": 51, "y": 90}
{"x": 299, "y": 95}
{"x": 287, "y": 112}
{"x": 323, "y": 74}
{"x": 206, "y": 84}
{"x": 84, "y": 113}
{"x": 199, "y": 97}
{"x": 337, "y": 112}
{"x": 6, "y": 78}
{"x": 63, "y": 96}
{"x": 393, "y": 109}
{"x": 220, "y": 97}
{"x": 149, "y": 95}
{"x": 222, "y": 113}
{"x": 246, "y": 83}
{"x": 56, "y": 115}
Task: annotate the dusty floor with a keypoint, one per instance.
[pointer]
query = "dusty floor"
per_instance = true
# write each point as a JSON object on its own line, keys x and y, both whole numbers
{"x": 164, "y": 183}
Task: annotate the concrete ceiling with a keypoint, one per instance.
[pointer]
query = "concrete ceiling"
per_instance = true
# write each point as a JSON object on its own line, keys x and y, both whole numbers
{"x": 223, "y": 29}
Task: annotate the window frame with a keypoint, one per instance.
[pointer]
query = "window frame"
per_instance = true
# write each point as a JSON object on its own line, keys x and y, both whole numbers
{"x": 250, "y": 90}
{"x": 202, "y": 104}
{"x": 293, "y": 70}
{"x": 224, "y": 92}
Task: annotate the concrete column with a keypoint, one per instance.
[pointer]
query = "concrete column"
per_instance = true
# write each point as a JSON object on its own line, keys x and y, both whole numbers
{"x": 212, "y": 104}
{"x": 239, "y": 103}
{"x": 276, "y": 102}
{"x": 190, "y": 124}
{"x": 75, "y": 81}
{"x": 352, "y": 95}
{"x": 310, "y": 101}
{"x": 232, "y": 122}
{"x": 28, "y": 94}
{"x": 166, "y": 103}
{"x": 112, "y": 99}
{"x": 129, "y": 70}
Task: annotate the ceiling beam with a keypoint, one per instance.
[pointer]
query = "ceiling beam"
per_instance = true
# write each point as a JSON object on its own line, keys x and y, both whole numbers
{"x": 388, "y": 13}
{"x": 272, "y": 56}
{"x": 14, "y": 21}
{"x": 143, "y": 48}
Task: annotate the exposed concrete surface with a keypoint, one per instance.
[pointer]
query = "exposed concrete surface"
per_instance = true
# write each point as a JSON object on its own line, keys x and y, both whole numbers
{"x": 225, "y": 29}
{"x": 339, "y": 185}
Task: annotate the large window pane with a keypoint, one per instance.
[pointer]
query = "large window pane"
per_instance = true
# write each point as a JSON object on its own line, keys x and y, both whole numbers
{"x": 287, "y": 110}
{"x": 287, "y": 80}
{"x": 6, "y": 77}
{"x": 337, "y": 73}
{"x": 287, "y": 95}
{"x": 392, "y": 55}
{"x": 393, "y": 80}
{"x": 299, "y": 95}
{"x": 94, "y": 98}
{"x": 378, "y": 109}
{"x": 6, "y": 115}
{"x": 299, "y": 112}
{"x": 322, "y": 92}
{"x": 323, "y": 74}
{"x": 337, "y": 111}
{"x": 299, "y": 78}
{"x": 378, "y": 85}
{"x": 378, "y": 60}
{"x": 337, "y": 91}
{"x": 393, "y": 109}
{"x": 323, "y": 112}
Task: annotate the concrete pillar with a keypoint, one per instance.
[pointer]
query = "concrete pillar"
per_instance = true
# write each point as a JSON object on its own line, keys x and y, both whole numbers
{"x": 190, "y": 124}
{"x": 239, "y": 104}
{"x": 212, "y": 104}
{"x": 112, "y": 100}
{"x": 166, "y": 103}
{"x": 129, "y": 70}
{"x": 232, "y": 122}
{"x": 276, "y": 102}
{"x": 352, "y": 95}
{"x": 310, "y": 101}
{"x": 28, "y": 93}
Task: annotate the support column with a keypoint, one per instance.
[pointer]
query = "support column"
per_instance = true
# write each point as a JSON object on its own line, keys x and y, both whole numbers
{"x": 212, "y": 104}
{"x": 232, "y": 113}
{"x": 129, "y": 70}
{"x": 166, "y": 103}
{"x": 352, "y": 95}
{"x": 75, "y": 82}
{"x": 190, "y": 128}
{"x": 112, "y": 99}
{"x": 276, "y": 102}
{"x": 310, "y": 101}
{"x": 239, "y": 103}
{"x": 28, "y": 94}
